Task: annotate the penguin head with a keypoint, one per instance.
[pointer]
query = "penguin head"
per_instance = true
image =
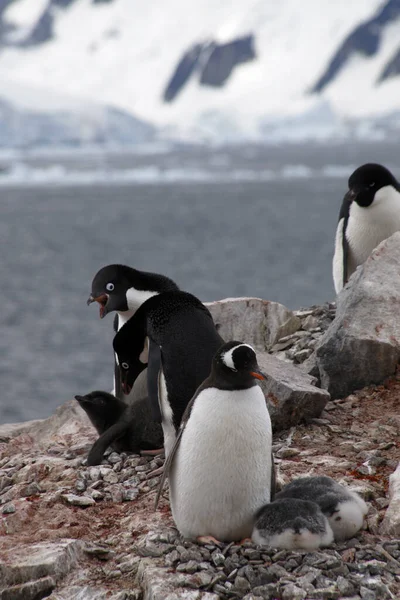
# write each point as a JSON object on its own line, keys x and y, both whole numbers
{"x": 371, "y": 183}
{"x": 101, "y": 407}
{"x": 237, "y": 363}
{"x": 109, "y": 288}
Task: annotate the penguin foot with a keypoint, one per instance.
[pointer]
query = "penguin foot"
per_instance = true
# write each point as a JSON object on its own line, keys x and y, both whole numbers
{"x": 208, "y": 539}
{"x": 155, "y": 473}
{"x": 245, "y": 540}
{"x": 156, "y": 452}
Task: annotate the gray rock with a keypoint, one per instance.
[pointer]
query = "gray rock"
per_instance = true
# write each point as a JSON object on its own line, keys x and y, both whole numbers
{"x": 362, "y": 345}
{"x": 292, "y": 592}
{"x": 291, "y": 394}
{"x": 32, "y": 590}
{"x": 82, "y": 501}
{"x": 37, "y": 561}
{"x": 254, "y": 321}
{"x": 391, "y": 521}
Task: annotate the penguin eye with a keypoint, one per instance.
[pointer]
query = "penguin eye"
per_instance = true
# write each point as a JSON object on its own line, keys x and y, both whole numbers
{"x": 125, "y": 366}
{"x": 109, "y": 287}
{"x": 371, "y": 185}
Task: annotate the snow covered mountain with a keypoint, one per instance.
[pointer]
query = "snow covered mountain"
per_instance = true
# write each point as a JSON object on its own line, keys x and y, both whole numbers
{"x": 207, "y": 70}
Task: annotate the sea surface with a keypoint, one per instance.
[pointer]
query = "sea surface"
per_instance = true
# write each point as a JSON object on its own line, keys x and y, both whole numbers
{"x": 222, "y": 222}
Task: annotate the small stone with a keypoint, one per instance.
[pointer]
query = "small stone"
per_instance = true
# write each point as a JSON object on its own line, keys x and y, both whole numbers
{"x": 287, "y": 452}
{"x": 197, "y": 580}
{"x": 241, "y": 585}
{"x": 32, "y": 489}
{"x": 131, "y": 494}
{"x": 8, "y": 509}
{"x": 80, "y": 485}
{"x": 217, "y": 558}
{"x": 82, "y": 501}
{"x": 94, "y": 473}
{"x": 111, "y": 477}
{"x": 189, "y": 567}
{"x": 155, "y": 549}
{"x": 292, "y": 592}
{"x": 114, "y": 458}
{"x": 96, "y": 495}
{"x": 172, "y": 558}
{"x": 367, "y": 594}
{"x": 345, "y": 587}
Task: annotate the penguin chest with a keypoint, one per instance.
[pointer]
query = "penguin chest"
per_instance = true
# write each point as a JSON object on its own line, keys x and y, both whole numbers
{"x": 221, "y": 474}
{"x": 368, "y": 227}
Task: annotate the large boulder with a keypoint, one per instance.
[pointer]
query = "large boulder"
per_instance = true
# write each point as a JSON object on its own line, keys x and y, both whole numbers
{"x": 254, "y": 321}
{"x": 291, "y": 394}
{"x": 362, "y": 345}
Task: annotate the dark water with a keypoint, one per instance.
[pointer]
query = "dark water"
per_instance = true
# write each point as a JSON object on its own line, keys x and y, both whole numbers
{"x": 267, "y": 238}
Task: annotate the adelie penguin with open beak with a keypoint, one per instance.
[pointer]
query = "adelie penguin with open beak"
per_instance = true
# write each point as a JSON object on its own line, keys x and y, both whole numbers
{"x": 123, "y": 289}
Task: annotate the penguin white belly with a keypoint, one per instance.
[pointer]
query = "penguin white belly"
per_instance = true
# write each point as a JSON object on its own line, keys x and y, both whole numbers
{"x": 221, "y": 474}
{"x": 368, "y": 227}
{"x": 166, "y": 415}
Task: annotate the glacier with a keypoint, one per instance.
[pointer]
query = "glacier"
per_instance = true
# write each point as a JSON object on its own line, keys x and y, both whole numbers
{"x": 220, "y": 71}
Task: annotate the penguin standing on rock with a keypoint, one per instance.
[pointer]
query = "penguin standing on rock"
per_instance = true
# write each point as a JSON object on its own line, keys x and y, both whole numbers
{"x": 123, "y": 289}
{"x": 370, "y": 213}
{"x": 344, "y": 509}
{"x": 174, "y": 334}
{"x": 220, "y": 467}
{"x": 292, "y": 523}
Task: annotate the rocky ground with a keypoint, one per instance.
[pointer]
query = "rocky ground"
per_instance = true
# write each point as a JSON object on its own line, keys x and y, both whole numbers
{"x": 91, "y": 533}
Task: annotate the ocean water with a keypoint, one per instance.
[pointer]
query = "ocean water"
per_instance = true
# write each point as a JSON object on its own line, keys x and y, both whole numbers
{"x": 221, "y": 222}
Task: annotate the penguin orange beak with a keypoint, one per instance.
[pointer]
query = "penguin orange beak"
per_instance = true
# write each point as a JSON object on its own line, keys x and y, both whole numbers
{"x": 102, "y": 300}
{"x": 258, "y": 375}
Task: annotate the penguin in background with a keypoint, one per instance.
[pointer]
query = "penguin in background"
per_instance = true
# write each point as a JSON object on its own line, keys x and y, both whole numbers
{"x": 370, "y": 213}
{"x": 220, "y": 468}
{"x": 123, "y": 289}
{"x": 174, "y": 334}
{"x": 121, "y": 426}
{"x": 292, "y": 523}
{"x": 344, "y": 509}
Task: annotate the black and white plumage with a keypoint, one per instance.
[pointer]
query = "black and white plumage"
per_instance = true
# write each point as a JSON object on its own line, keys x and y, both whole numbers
{"x": 344, "y": 509}
{"x": 181, "y": 339}
{"x": 220, "y": 467}
{"x": 292, "y": 523}
{"x": 370, "y": 213}
{"x": 123, "y": 427}
{"x": 123, "y": 289}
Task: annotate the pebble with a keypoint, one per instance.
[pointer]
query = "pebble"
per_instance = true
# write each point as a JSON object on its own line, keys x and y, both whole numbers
{"x": 82, "y": 501}
{"x": 8, "y": 509}
{"x": 292, "y": 592}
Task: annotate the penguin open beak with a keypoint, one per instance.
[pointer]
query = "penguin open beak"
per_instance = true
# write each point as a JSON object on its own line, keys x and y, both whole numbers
{"x": 258, "y": 374}
{"x": 102, "y": 300}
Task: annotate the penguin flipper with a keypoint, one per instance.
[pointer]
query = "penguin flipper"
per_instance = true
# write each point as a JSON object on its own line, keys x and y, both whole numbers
{"x": 153, "y": 370}
{"x": 344, "y": 214}
{"x": 96, "y": 452}
{"x": 117, "y": 380}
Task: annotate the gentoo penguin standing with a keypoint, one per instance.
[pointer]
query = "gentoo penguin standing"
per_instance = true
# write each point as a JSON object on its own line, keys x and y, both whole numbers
{"x": 181, "y": 340}
{"x": 292, "y": 523}
{"x": 370, "y": 213}
{"x": 123, "y": 289}
{"x": 220, "y": 468}
{"x": 344, "y": 509}
{"x": 120, "y": 426}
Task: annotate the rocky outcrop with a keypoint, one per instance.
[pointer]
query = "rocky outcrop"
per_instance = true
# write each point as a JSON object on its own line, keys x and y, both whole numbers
{"x": 362, "y": 345}
{"x": 291, "y": 394}
{"x": 254, "y": 321}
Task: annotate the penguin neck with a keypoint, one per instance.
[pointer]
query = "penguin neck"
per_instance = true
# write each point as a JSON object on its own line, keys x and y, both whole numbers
{"x": 134, "y": 299}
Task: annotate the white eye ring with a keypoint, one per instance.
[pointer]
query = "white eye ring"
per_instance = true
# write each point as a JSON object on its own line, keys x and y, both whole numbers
{"x": 125, "y": 366}
{"x": 371, "y": 185}
{"x": 109, "y": 287}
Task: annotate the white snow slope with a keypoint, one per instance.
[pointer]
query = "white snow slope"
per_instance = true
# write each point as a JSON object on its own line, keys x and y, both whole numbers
{"x": 123, "y": 53}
